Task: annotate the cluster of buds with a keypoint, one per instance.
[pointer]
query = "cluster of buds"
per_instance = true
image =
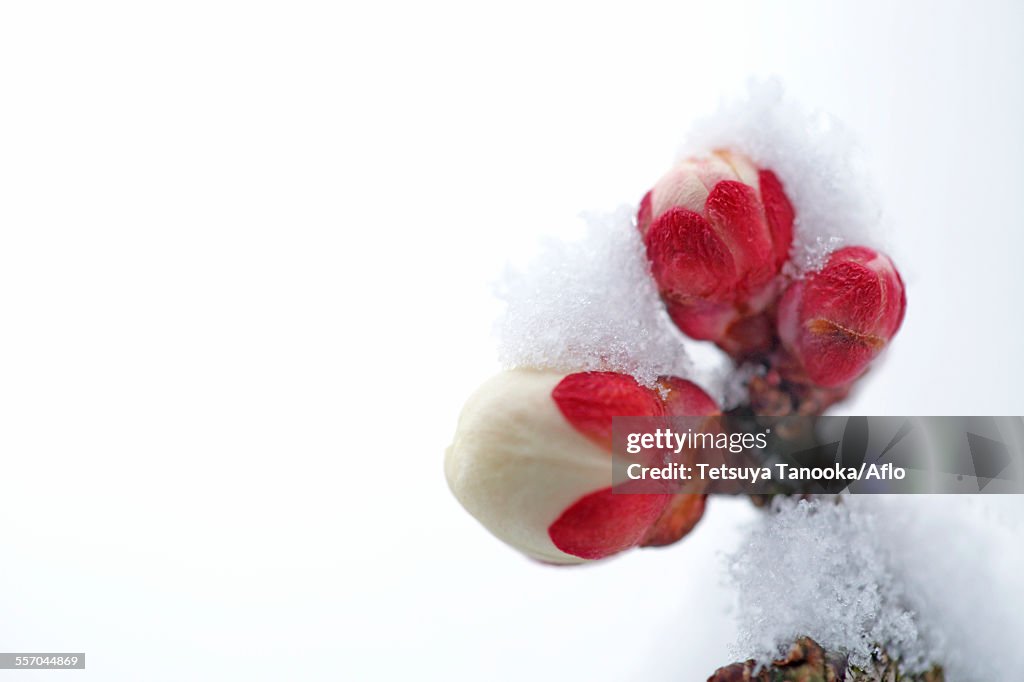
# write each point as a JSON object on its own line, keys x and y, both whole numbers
{"x": 718, "y": 231}
{"x": 532, "y": 455}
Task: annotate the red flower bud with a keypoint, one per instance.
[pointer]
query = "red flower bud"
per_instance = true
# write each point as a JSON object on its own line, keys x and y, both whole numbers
{"x": 717, "y": 231}
{"x": 836, "y": 320}
{"x": 532, "y": 461}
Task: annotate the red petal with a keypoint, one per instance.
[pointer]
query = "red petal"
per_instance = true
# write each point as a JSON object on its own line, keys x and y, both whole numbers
{"x": 902, "y": 311}
{"x": 891, "y": 298}
{"x": 603, "y": 523}
{"x": 686, "y": 399}
{"x": 703, "y": 321}
{"x": 857, "y": 254}
{"x": 846, "y": 293}
{"x": 678, "y": 518}
{"x": 749, "y": 336}
{"x": 779, "y": 213}
{"x": 833, "y": 357}
{"x": 736, "y": 213}
{"x": 589, "y": 400}
{"x": 688, "y": 259}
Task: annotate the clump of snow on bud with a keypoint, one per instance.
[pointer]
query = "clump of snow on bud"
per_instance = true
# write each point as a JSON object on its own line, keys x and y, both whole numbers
{"x": 814, "y": 157}
{"x": 935, "y": 579}
{"x": 590, "y": 305}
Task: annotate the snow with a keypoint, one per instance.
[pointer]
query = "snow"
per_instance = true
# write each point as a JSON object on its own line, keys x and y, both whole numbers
{"x": 816, "y": 158}
{"x": 590, "y": 305}
{"x": 936, "y": 579}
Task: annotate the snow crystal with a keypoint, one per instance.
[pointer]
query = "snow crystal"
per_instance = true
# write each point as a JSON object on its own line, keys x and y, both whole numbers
{"x": 816, "y": 159}
{"x": 935, "y": 579}
{"x": 590, "y": 305}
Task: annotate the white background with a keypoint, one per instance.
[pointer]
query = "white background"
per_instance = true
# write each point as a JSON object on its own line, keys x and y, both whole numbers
{"x": 245, "y": 251}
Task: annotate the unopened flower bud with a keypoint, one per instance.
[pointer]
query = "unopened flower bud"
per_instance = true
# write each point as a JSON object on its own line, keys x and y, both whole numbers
{"x": 717, "y": 230}
{"x": 531, "y": 460}
{"x": 835, "y": 321}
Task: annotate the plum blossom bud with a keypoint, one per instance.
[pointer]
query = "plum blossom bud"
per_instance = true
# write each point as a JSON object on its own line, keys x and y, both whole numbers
{"x": 717, "y": 230}
{"x": 835, "y": 321}
{"x": 531, "y": 460}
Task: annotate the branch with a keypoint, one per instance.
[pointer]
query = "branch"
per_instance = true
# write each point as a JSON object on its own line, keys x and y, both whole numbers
{"x": 808, "y": 662}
